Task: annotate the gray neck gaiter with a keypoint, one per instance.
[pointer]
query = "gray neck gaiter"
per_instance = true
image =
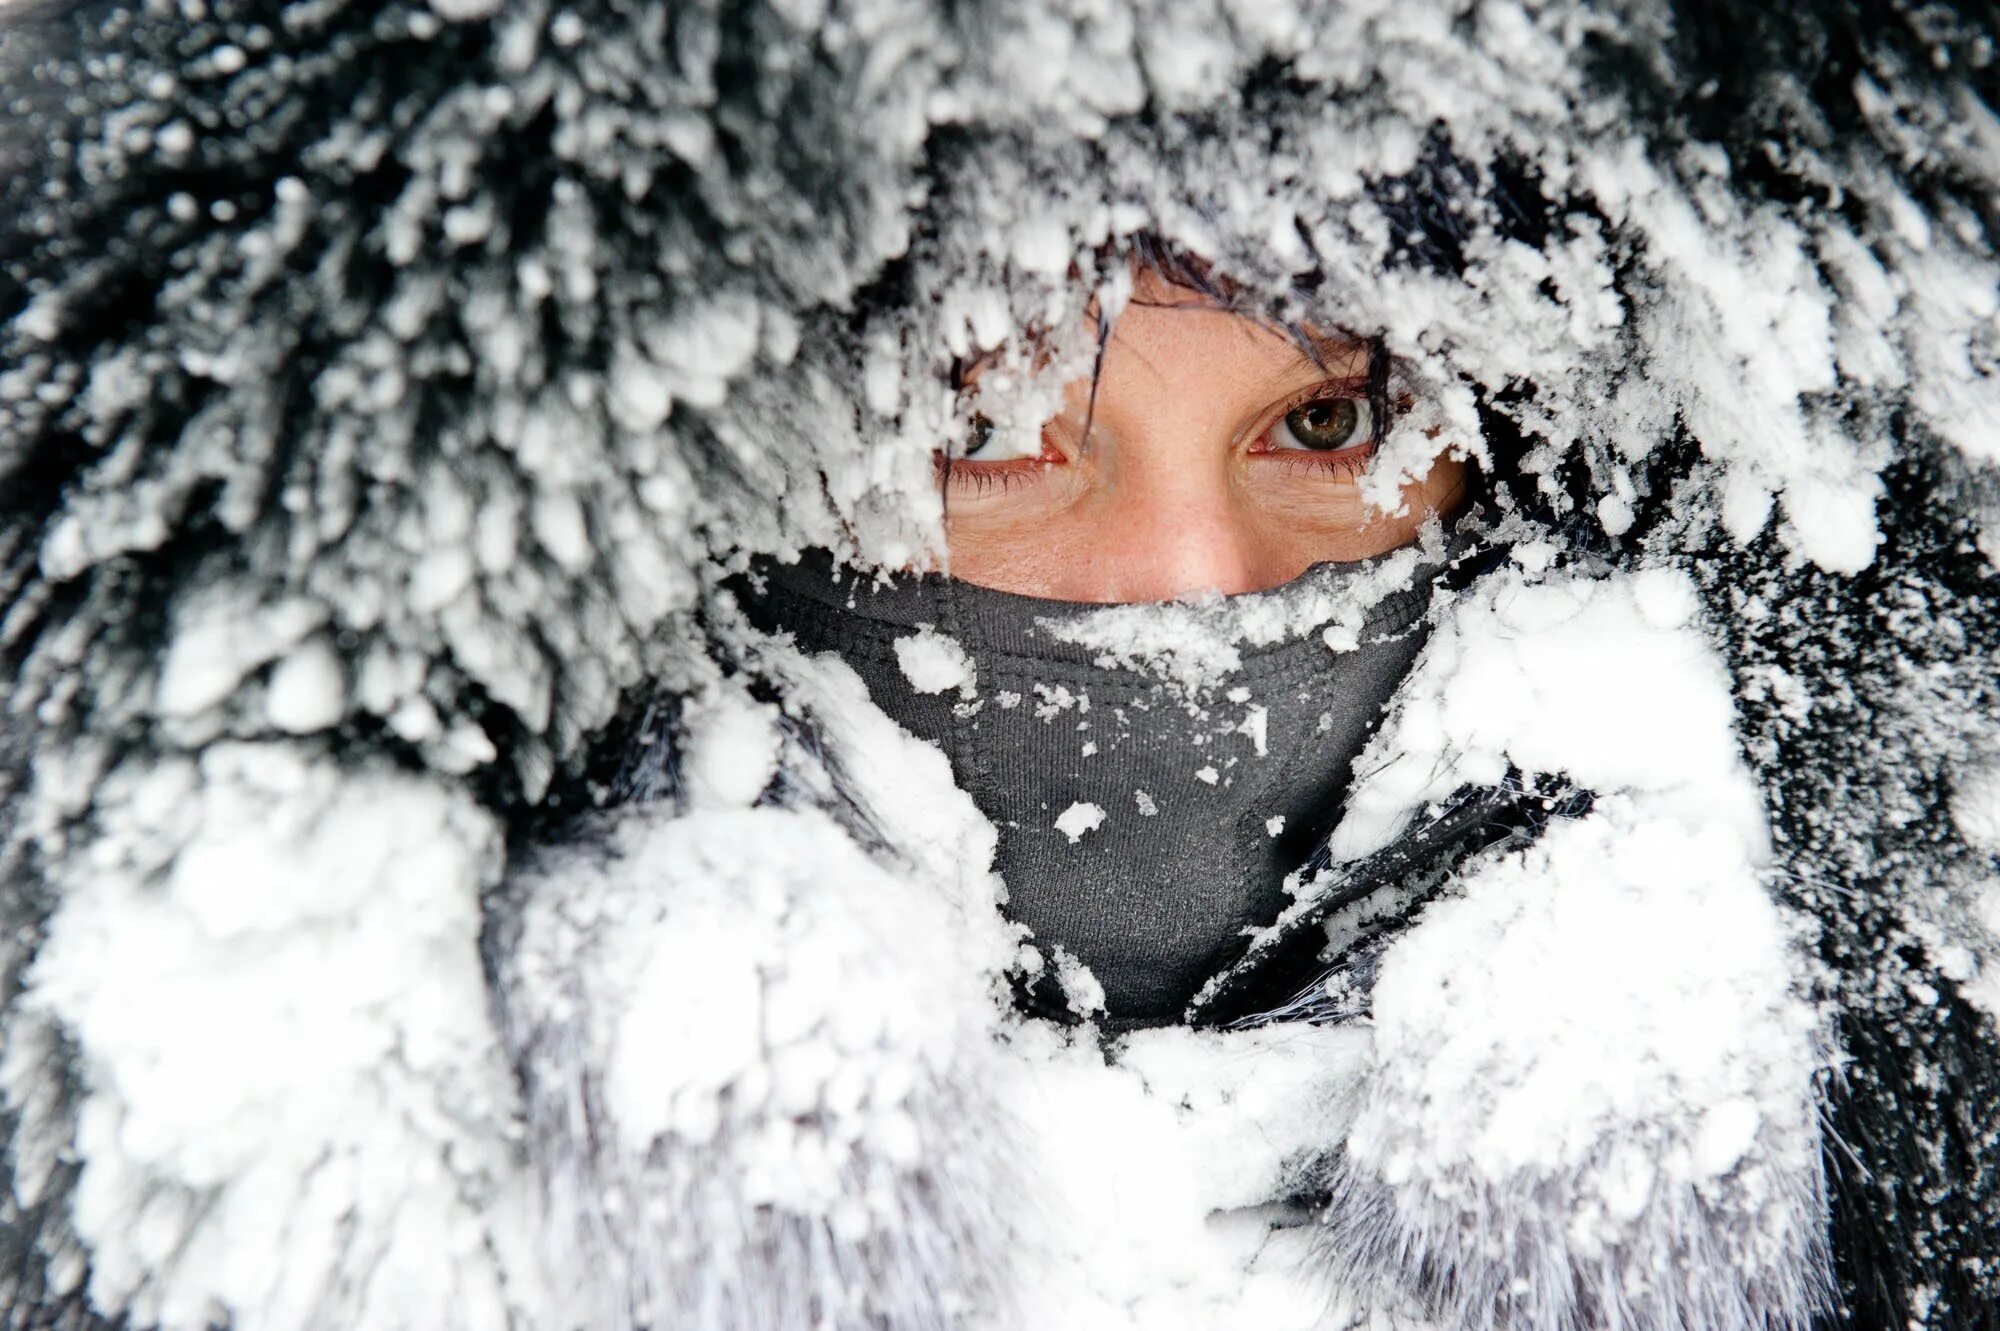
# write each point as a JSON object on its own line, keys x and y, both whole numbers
{"x": 1154, "y": 771}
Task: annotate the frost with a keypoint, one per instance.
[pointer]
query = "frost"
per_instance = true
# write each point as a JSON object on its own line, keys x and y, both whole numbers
{"x": 307, "y": 691}
{"x": 1078, "y": 819}
{"x": 933, "y": 663}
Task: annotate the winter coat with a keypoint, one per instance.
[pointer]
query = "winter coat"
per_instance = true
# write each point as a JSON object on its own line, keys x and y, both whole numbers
{"x": 431, "y": 904}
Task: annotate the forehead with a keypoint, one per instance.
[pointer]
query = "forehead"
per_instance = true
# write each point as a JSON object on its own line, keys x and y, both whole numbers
{"x": 1176, "y": 336}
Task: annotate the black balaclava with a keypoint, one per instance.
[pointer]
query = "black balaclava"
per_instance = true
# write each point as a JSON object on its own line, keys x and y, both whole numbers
{"x": 1154, "y": 771}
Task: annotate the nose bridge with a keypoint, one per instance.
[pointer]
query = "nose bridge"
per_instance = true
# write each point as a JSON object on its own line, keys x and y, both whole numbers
{"x": 1173, "y": 519}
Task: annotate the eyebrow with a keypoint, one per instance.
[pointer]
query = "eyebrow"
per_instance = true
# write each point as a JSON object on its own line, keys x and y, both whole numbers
{"x": 1314, "y": 351}
{"x": 1323, "y": 351}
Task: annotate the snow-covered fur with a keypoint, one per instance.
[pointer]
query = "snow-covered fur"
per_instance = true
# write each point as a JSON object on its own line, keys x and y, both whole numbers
{"x": 757, "y": 1064}
{"x": 1460, "y": 1179}
{"x": 1496, "y": 1162}
{"x": 699, "y": 1110}
{"x": 429, "y": 905}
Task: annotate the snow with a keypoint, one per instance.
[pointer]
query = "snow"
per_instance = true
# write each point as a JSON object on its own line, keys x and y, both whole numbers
{"x": 1665, "y": 1026}
{"x": 1969, "y": 953}
{"x": 1082, "y": 988}
{"x": 1194, "y": 645}
{"x": 933, "y": 663}
{"x": 1257, "y": 725}
{"x": 781, "y": 1034}
{"x": 1671, "y": 1056}
{"x": 463, "y": 11}
{"x": 1153, "y": 1152}
{"x": 1975, "y": 805}
{"x": 220, "y": 640}
{"x": 332, "y": 901}
{"x": 731, "y": 749}
{"x": 1078, "y": 819}
{"x": 1544, "y": 676}
{"x": 307, "y": 691}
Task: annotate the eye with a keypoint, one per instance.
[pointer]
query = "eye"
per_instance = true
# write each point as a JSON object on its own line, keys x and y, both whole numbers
{"x": 987, "y": 442}
{"x": 978, "y": 437}
{"x": 1324, "y": 425}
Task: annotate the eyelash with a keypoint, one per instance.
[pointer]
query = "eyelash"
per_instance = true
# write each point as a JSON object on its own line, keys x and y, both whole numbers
{"x": 1343, "y": 390}
{"x": 982, "y": 478}
{"x": 1331, "y": 463}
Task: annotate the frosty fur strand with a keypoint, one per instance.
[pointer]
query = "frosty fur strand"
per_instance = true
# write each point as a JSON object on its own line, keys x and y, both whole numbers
{"x": 1594, "y": 1096}
{"x": 1503, "y": 1258}
{"x": 832, "y": 1177}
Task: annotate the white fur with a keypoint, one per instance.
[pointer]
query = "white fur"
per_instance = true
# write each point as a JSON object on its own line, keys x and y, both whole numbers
{"x": 758, "y": 1082}
{"x": 266, "y": 971}
{"x": 1593, "y": 1102}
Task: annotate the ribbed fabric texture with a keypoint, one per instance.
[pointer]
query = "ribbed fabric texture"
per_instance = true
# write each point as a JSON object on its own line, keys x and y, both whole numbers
{"x": 1208, "y": 799}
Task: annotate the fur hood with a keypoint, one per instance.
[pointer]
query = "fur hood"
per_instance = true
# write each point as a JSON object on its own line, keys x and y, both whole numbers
{"x": 429, "y": 904}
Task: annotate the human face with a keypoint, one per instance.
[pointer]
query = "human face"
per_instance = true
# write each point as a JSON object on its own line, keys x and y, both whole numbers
{"x": 1221, "y": 457}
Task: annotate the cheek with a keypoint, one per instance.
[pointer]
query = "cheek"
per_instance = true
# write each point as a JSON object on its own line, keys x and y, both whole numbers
{"x": 1297, "y": 525}
{"x": 1023, "y": 554}
{"x": 1102, "y": 545}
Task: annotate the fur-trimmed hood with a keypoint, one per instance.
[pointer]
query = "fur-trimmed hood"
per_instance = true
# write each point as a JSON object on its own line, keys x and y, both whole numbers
{"x": 430, "y": 904}
{"x": 1573, "y": 1077}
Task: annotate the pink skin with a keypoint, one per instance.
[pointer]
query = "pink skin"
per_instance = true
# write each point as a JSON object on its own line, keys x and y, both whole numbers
{"x": 1191, "y": 480}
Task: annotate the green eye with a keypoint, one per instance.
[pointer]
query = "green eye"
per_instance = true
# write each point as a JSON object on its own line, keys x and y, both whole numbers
{"x": 1327, "y": 423}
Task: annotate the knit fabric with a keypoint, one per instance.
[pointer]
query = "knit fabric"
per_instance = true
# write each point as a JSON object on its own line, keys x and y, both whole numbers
{"x": 1146, "y": 826}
